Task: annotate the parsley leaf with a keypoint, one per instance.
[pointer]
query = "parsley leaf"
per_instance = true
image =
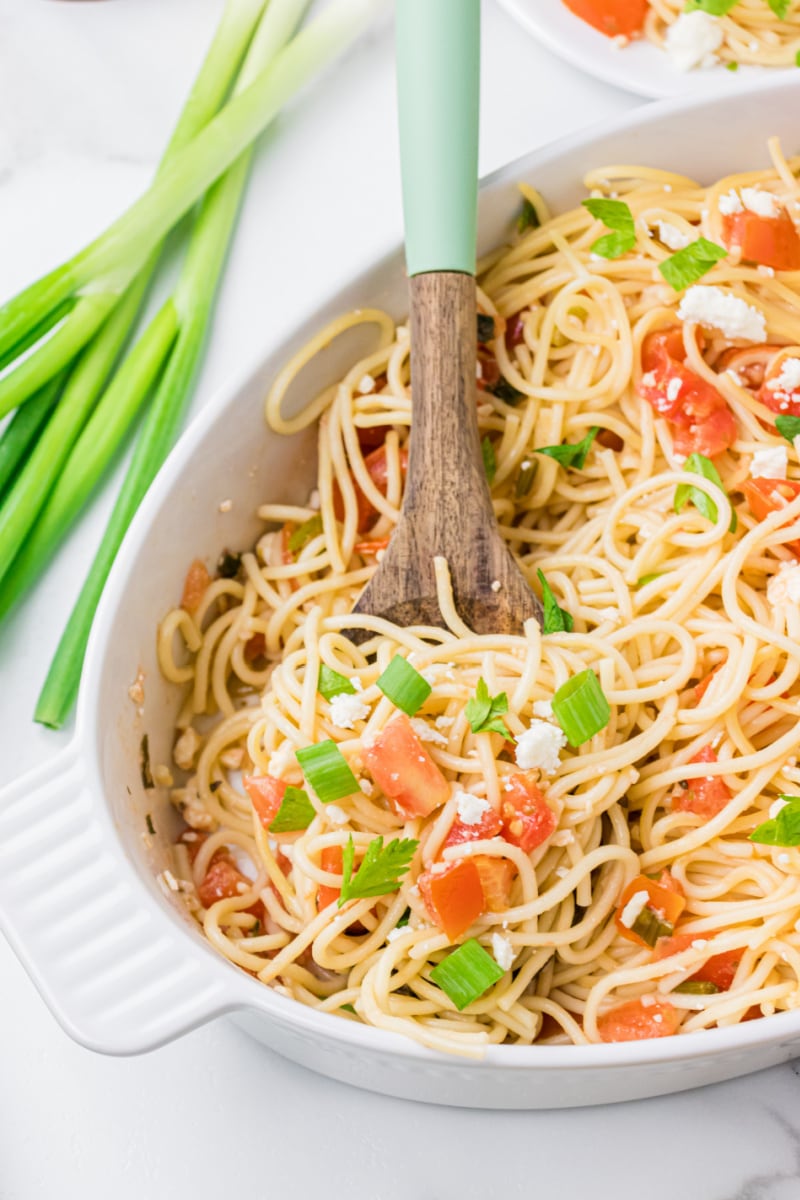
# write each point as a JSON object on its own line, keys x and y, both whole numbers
{"x": 484, "y": 712}
{"x": 528, "y": 217}
{"x": 304, "y": 533}
{"x": 691, "y": 263}
{"x": 685, "y": 493}
{"x": 788, "y": 427}
{"x": 782, "y": 830}
{"x": 489, "y": 459}
{"x": 296, "y": 812}
{"x": 616, "y": 215}
{"x": 715, "y": 8}
{"x": 779, "y": 7}
{"x": 380, "y": 871}
{"x": 571, "y": 454}
{"x": 556, "y": 619}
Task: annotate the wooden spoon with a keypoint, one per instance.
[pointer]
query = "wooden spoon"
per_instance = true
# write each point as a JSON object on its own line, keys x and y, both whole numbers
{"x": 447, "y": 509}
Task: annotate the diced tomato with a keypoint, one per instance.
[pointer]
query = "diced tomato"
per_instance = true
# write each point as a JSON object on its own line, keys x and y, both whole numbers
{"x": 371, "y": 547}
{"x": 194, "y": 586}
{"x": 266, "y": 793}
{"x": 702, "y": 422}
{"x": 667, "y": 880}
{"x": 770, "y": 241}
{"x": 515, "y": 331}
{"x": 496, "y": 876}
{"x": 488, "y": 826}
{"x": 635, "y": 1021}
{"x": 766, "y": 496}
{"x": 705, "y": 796}
{"x": 490, "y": 370}
{"x": 719, "y": 969}
{"x": 372, "y": 436}
{"x": 614, "y": 18}
{"x": 702, "y": 687}
{"x": 528, "y": 820}
{"x": 453, "y": 895}
{"x": 750, "y": 363}
{"x": 255, "y": 647}
{"x": 223, "y": 881}
{"x": 665, "y": 901}
{"x": 329, "y": 860}
{"x": 404, "y": 771}
{"x": 376, "y": 465}
{"x": 776, "y": 399}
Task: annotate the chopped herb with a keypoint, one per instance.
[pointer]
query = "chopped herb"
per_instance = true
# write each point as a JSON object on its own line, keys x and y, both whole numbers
{"x": 780, "y": 8}
{"x": 556, "y": 619}
{"x": 150, "y": 826}
{"x": 144, "y": 763}
{"x": 484, "y": 712}
{"x": 295, "y": 813}
{"x": 715, "y": 8}
{"x": 731, "y": 66}
{"x": 617, "y": 216}
{"x": 571, "y": 454}
{"x": 255, "y": 930}
{"x": 348, "y": 1008}
{"x": 782, "y": 830}
{"x": 788, "y": 427}
{"x": 649, "y": 926}
{"x": 686, "y": 493}
{"x": 580, "y": 707}
{"x": 645, "y": 579}
{"x": 403, "y": 920}
{"x": 466, "y": 973}
{"x": 326, "y": 769}
{"x": 797, "y": 59}
{"x": 485, "y": 328}
{"x": 330, "y": 683}
{"x": 528, "y": 217}
{"x": 696, "y": 987}
{"x": 489, "y": 459}
{"x": 404, "y": 685}
{"x": 228, "y": 565}
{"x": 691, "y": 263}
{"x": 380, "y": 871}
{"x": 304, "y": 533}
{"x": 524, "y": 480}
{"x": 506, "y": 392}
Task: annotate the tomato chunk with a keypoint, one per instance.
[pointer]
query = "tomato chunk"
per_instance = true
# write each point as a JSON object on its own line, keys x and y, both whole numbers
{"x": 330, "y": 860}
{"x": 635, "y": 1021}
{"x": 194, "y": 586}
{"x": 766, "y": 496}
{"x": 223, "y": 881}
{"x": 770, "y": 241}
{"x": 614, "y": 18}
{"x": 701, "y": 420}
{"x": 528, "y": 820}
{"x": 377, "y": 466}
{"x": 779, "y": 392}
{"x": 266, "y": 794}
{"x": 496, "y": 876}
{"x": 489, "y": 826}
{"x": 705, "y": 796}
{"x": 453, "y": 895}
{"x": 719, "y": 969}
{"x": 702, "y": 687}
{"x": 404, "y": 771}
{"x": 657, "y": 915}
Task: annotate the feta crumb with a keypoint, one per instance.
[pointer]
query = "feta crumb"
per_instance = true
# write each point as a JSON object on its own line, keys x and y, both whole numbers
{"x": 503, "y": 951}
{"x": 730, "y": 203}
{"x": 540, "y": 746}
{"x": 562, "y": 872}
{"x": 444, "y": 722}
{"x": 770, "y": 463}
{"x": 470, "y": 808}
{"x": 314, "y": 501}
{"x": 768, "y": 271}
{"x": 609, "y": 614}
{"x": 649, "y": 380}
{"x": 336, "y": 815}
{"x": 365, "y": 385}
{"x": 367, "y": 787}
{"x": 281, "y": 760}
{"x": 763, "y": 204}
{"x": 672, "y": 237}
{"x": 346, "y": 709}
{"x": 754, "y": 46}
{"x": 717, "y": 309}
{"x": 543, "y": 709}
{"x": 564, "y": 837}
{"x": 692, "y": 40}
{"x": 425, "y": 733}
{"x": 136, "y": 690}
{"x": 674, "y": 387}
{"x": 232, "y": 757}
{"x": 784, "y": 860}
{"x": 784, "y": 588}
{"x": 699, "y": 944}
{"x": 789, "y": 378}
{"x": 189, "y": 805}
{"x": 633, "y": 908}
{"x": 657, "y": 1018}
{"x": 398, "y": 932}
{"x": 733, "y": 374}
{"x": 185, "y": 749}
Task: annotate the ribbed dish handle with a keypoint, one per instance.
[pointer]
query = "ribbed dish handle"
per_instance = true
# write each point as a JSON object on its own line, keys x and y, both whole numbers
{"x": 86, "y": 929}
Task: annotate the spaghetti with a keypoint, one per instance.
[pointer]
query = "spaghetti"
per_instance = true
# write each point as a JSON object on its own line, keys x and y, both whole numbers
{"x": 619, "y": 892}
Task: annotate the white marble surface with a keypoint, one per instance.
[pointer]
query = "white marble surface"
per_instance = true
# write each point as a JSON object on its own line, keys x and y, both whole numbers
{"x": 87, "y": 93}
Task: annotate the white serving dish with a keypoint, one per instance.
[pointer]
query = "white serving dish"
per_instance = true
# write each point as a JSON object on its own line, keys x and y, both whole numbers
{"x": 119, "y": 963}
{"x": 641, "y": 67}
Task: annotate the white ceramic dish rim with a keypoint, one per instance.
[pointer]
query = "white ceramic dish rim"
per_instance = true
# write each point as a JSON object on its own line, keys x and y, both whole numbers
{"x": 640, "y": 67}
{"x": 204, "y": 985}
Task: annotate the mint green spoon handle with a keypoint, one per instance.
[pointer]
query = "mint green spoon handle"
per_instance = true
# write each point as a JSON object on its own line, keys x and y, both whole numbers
{"x": 438, "y": 77}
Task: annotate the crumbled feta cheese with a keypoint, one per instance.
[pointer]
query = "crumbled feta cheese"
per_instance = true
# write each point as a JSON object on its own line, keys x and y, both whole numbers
{"x": 770, "y": 463}
{"x": 503, "y": 951}
{"x": 281, "y": 760}
{"x": 540, "y": 746}
{"x": 335, "y": 814}
{"x": 672, "y": 237}
{"x": 674, "y": 387}
{"x": 768, "y": 271}
{"x": 789, "y": 378}
{"x": 543, "y": 709}
{"x": 730, "y": 203}
{"x": 609, "y": 614}
{"x": 633, "y": 908}
{"x": 365, "y": 385}
{"x": 367, "y": 787}
{"x": 232, "y": 758}
{"x": 784, "y": 588}
{"x": 763, "y": 204}
{"x": 425, "y": 733}
{"x": 346, "y": 709}
{"x": 564, "y": 837}
{"x": 733, "y": 374}
{"x": 692, "y": 40}
{"x": 784, "y": 860}
{"x": 562, "y": 872}
{"x": 186, "y": 748}
{"x": 699, "y": 944}
{"x": 716, "y": 309}
{"x": 396, "y": 933}
{"x": 444, "y": 722}
{"x": 657, "y": 1018}
{"x": 649, "y": 380}
{"x": 470, "y": 808}
{"x": 190, "y": 806}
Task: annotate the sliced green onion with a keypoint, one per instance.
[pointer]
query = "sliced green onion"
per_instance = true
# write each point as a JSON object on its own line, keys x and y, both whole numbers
{"x": 696, "y": 987}
{"x": 489, "y": 459}
{"x": 581, "y": 708}
{"x": 645, "y": 579}
{"x": 486, "y": 331}
{"x": 304, "y": 533}
{"x": 466, "y": 973}
{"x": 330, "y": 683}
{"x": 296, "y": 812}
{"x": 381, "y": 869}
{"x": 571, "y": 454}
{"x": 524, "y": 482}
{"x": 686, "y": 493}
{"x": 691, "y": 263}
{"x": 732, "y": 66}
{"x": 404, "y": 686}
{"x": 348, "y": 1008}
{"x": 528, "y": 217}
{"x": 788, "y": 427}
{"x": 556, "y": 619}
{"x": 326, "y": 769}
{"x": 649, "y": 926}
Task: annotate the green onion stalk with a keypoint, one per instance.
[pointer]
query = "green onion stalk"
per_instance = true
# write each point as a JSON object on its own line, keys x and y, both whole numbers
{"x": 179, "y": 329}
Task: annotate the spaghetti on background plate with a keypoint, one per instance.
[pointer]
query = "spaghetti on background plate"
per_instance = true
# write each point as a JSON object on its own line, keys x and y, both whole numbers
{"x": 588, "y": 832}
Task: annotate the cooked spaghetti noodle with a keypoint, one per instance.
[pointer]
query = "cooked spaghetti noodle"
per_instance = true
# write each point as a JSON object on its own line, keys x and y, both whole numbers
{"x": 692, "y": 631}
